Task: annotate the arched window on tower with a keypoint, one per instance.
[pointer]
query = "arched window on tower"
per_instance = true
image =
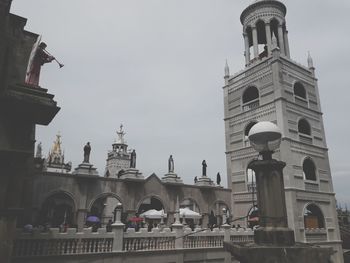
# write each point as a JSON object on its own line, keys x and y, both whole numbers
{"x": 299, "y": 90}
{"x": 251, "y": 185}
{"x": 250, "y": 98}
{"x": 309, "y": 170}
{"x": 304, "y": 127}
{"x": 304, "y": 130}
{"x": 274, "y": 29}
{"x": 313, "y": 217}
{"x": 262, "y": 42}
{"x": 246, "y": 133}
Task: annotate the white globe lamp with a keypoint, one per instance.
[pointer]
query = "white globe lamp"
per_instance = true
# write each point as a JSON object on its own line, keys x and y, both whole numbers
{"x": 265, "y": 137}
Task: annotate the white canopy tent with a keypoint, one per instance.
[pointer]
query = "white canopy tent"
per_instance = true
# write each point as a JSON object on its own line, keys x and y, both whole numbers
{"x": 154, "y": 214}
{"x": 188, "y": 213}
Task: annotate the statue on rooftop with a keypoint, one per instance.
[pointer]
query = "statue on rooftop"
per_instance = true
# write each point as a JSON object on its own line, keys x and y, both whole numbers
{"x": 204, "y": 168}
{"x": 87, "y": 150}
{"x": 38, "y": 151}
{"x": 133, "y": 159}
{"x": 218, "y": 179}
{"x": 171, "y": 164}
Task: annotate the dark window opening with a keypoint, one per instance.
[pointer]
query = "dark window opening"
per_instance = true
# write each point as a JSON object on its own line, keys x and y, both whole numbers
{"x": 250, "y": 94}
{"x": 274, "y": 29}
{"x": 313, "y": 217}
{"x": 309, "y": 170}
{"x": 304, "y": 127}
{"x": 299, "y": 90}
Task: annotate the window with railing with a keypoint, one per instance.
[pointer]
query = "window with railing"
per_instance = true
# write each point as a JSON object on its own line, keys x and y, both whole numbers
{"x": 250, "y": 99}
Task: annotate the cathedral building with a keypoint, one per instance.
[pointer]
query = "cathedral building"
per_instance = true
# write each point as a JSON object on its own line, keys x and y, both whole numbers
{"x": 273, "y": 87}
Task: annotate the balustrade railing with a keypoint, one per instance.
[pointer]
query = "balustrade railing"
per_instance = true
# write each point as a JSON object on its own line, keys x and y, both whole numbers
{"x": 55, "y": 243}
{"x": 314, "y": 235}
{"x": 72, "y": 242}
{"x": 251, "y": 105}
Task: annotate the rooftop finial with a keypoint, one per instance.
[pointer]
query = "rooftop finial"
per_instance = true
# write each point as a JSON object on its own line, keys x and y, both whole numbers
{"x": 310, "y": 62}
{"x": 274, "y": 41}
{"x": 227, "y": 69}
{"x": 121, "y": 134}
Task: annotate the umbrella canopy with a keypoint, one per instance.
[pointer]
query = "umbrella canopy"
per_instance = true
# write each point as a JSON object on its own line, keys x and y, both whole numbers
{"x": 136, "y": 219}
{"x": 93, "y": 219}
{"x": 153, "y": 214}
{"x": 188, "y": 213}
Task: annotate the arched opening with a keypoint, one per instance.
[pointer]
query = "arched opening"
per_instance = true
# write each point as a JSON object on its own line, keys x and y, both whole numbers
{"x": 309, "y": 169}
{"x": 57, "y": 211}
{"x": 218, "y": 209}
{"x": 250, "y": 98}
{"x": 191, "y": 219}
{"x": 251, "y": 181}
{"x": 313, "y": 217}
{"x": 253, "y": 217}
{"x": 250, "y": 40}
{"x": 104, "y": 208}
{"x": 262, "y": 43}
{"x": 274, "y": 29}
{"x": 304, "y": 127}
{"x": 150, "y": 203}
{"x": 299, "y": 90}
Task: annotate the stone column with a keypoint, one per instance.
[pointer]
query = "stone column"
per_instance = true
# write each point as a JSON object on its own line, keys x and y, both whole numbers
{"x": 179, "y": 229}
{"x": 286, "y": 43}
{"x": 255, "y": 42}
{"x": 118, "y": 230}
{"x": 268, "y": 38}
{"x": 247, "y": 50}
{"x": 205, "y": 220}
{"x": 271, "y": 203}
{"x": 81, "y": 217}
{"x": 281, "y": 39}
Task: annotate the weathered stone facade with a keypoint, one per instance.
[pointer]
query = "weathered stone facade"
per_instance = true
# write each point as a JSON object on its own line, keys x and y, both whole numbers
{"x": 274, "y": 88}
{"x": 21, "y": 107}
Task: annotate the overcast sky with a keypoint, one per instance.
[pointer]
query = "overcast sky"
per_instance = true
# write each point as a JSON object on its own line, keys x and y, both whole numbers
{"x": 157, "y": 67}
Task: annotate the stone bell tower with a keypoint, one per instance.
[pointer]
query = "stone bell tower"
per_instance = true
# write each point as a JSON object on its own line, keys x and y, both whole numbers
{"x": 119, "y": 158}
{"x": 273, "y": 87}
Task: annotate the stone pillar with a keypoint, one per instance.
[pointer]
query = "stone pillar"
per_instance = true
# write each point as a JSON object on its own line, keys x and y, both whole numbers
{"x": 118, "y": 230}
{"x": 81, "y": 218}
{"x": 281, "y": 39}
{"x": 271, "y": 203}
{"x": 268, "y": 38}
{"x": 205, "y": 220}
{"x": 247, "y": 50}
{"x": 255, "y": 42}
{"x": 227, "y": 236}
{"x": 286, "y": 43}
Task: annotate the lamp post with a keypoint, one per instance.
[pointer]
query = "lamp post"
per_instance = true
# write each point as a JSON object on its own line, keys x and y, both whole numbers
{"x": 265, "y": 138}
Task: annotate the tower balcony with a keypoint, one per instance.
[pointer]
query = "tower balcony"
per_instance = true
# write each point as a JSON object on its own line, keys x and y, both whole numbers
{"x": 251, "y": 105}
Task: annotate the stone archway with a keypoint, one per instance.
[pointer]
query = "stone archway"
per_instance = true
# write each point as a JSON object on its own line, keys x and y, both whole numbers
{"x": 103, "y": 207}
{"x": 57, "y": 209}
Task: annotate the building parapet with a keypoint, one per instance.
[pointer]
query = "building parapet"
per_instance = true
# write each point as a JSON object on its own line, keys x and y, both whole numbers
{"x": 53, "y": 242}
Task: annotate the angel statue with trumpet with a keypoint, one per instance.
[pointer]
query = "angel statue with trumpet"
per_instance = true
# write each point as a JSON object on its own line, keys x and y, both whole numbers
{"x": 38, "y": 57}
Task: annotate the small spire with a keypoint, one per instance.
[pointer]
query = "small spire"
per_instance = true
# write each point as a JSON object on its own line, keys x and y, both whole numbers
{"x": 274, "y": 41}
{"x": 310, "y": 62}
{"x": 227, "y": 69}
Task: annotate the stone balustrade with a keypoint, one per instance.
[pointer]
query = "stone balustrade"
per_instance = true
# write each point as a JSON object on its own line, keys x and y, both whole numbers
{"x": 71, "y": 242}
{"x": 55, "y": 243}
{"x": 315, "y": 235}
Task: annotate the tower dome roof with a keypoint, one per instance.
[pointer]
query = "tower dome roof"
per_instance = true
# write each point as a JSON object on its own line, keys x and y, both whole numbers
{"x": 258, "y": 3}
